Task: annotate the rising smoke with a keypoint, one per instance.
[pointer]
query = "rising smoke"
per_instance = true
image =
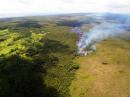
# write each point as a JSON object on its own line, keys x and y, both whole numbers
{"x": 116, "y": 27}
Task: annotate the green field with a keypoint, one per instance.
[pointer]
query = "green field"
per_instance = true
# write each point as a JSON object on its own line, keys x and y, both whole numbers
{"x": 36, "y": 62}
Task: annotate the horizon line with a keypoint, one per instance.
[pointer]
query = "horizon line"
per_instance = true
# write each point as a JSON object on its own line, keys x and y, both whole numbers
{"x": 56, "y": 14}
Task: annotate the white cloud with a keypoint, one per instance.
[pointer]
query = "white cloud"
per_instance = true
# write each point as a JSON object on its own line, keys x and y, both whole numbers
{"x": 32, "y": 7}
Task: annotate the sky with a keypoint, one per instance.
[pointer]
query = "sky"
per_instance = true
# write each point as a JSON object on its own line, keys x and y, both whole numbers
{"x": 11, "y": 8}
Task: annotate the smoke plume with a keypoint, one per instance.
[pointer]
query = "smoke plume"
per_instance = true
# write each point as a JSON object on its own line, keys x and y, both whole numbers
{"x": 103, "y": 31}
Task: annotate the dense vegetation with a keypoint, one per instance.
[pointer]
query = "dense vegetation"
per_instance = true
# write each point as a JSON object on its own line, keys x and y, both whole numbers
{"x": 36, "y": 62}
{"x": 29, "y": 24}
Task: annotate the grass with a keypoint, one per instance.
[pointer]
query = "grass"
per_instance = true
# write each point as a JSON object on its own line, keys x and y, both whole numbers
{"x": 75, "y": 66}
{"x": 40, "y": 61}
{"x": 94, "y": 79}
{"x": 3, "y": 32}
{"x": 15, "y": 42}
{"x": 36, "y": 60}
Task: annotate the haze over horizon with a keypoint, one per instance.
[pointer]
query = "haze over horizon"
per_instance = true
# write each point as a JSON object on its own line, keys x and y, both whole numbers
{"x": 15, "y": 8}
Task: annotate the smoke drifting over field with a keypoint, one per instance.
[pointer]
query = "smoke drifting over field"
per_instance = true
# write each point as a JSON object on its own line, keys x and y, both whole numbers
{"x": 117, "y": 27}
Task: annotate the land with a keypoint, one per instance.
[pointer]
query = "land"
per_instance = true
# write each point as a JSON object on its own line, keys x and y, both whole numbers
{"x": 104, "y": 73}
{"x": 38, "y": 58}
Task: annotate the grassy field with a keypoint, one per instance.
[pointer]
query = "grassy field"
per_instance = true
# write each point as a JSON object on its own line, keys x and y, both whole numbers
{"x": 105, "y": 73}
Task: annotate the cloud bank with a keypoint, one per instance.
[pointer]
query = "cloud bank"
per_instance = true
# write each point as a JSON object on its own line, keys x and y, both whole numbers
{"x": 10, "y": 8}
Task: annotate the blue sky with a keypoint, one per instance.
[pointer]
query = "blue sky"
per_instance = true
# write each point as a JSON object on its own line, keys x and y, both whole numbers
{"x": 9, "y": 8}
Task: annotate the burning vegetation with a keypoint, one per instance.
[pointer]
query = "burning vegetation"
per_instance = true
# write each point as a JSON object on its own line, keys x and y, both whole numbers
{"x": 107, "y": 29}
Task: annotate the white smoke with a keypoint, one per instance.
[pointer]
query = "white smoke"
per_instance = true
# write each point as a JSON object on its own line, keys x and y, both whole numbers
{"x": 102, "y": 31}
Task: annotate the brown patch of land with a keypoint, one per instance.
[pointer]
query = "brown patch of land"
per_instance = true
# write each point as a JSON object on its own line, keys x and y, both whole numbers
{"x": 105, "y": 73}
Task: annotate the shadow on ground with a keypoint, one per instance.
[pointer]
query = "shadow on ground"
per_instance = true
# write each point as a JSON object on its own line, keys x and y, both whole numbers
{"x": 20, "y": 77}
